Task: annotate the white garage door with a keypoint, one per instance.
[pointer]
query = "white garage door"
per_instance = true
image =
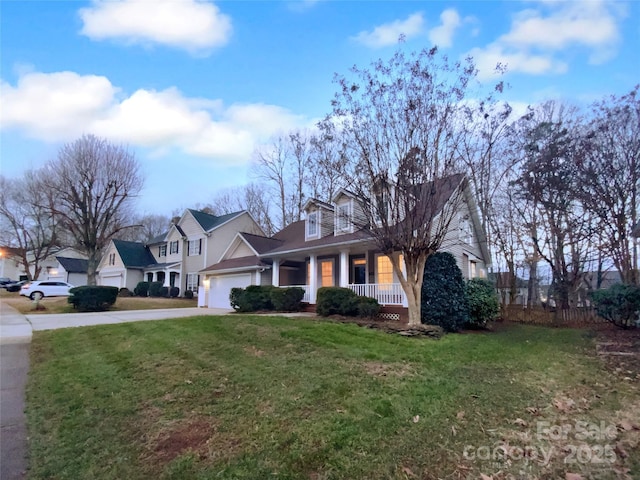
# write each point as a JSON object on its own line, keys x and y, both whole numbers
{"x": 221, "y": 286}
{"x": 113, "y": 281}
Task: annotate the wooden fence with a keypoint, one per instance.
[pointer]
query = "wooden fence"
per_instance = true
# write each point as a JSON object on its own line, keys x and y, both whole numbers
{"x": 574, "y": 317}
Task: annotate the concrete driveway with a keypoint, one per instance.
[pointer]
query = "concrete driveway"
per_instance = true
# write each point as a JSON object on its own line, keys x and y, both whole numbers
{"x": 15, "y": 337}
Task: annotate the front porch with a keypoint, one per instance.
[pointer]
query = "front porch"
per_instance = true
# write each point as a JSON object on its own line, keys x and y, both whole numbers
{"x": 366, "y": 272}
{"x": 384, "y": 293}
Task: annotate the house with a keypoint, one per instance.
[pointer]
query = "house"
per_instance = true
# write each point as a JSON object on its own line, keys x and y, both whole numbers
{"x": 176, "y": 257}
{"x": 68, "y": 269}
{"x": 326, "y": 249}
{"x": 506, "y": 284}
{"x": 11, "y": 264}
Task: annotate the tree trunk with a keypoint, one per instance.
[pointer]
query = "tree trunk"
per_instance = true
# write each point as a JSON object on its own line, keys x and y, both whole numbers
{"x": 92, "y": 267}
{"x": 414, "y": 307}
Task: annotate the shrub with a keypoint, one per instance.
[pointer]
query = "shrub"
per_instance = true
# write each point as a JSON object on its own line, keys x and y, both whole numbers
{"x": 188, "y": 294}
{"x": 154, "y": 289}
{"x": 336, "y": 301}
{"x": 483, "y": 302}
{"x": 287, "y": 299}
{"x": 174, "y": 292}
{"x": 444, "y": 300}
{"x": 142, "y": 289}
{"x": 258, "y": 297}
{"x": 236, "y": 299}
{"x": 619, "y": 304}
{"x": 164, "y": 292}
{"x": 125, "y": 292}
{"x": 368, "y": 307}
{"x": 93, "y": 298}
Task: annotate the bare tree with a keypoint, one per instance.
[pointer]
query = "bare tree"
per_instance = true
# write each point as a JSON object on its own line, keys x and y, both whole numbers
{"x": 91, "y": 187}
{"x": 252, "y": 198}
{"x": 271, "y": 166}
{"x": 27, "y": 214}
{"x": 400, "y": 123}
{"x": 609, "y": 177}
{"x": 548, "y": 180}
{"x": 145, "y": 227}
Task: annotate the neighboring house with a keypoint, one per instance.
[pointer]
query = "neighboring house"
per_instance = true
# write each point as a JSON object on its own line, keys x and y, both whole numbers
{"x": 505, "y": 285}
{"x": 66, "y": 265}
{"x": 176, "y": 257}
{"x": 68, "y": 269}
{"x": 11, "y": 264}
{"x": 325, "y": 249}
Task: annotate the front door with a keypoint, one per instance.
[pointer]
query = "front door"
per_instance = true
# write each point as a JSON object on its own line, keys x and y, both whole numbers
{"x": 359, "y": 271}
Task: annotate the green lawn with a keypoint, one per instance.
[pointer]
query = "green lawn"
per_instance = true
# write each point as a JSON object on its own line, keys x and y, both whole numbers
{"x": 269, "y": 397}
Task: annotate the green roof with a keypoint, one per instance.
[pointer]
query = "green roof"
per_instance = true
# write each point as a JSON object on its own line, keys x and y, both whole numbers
{"x": 134, "y": 254}
{"x": 208, "y": 221}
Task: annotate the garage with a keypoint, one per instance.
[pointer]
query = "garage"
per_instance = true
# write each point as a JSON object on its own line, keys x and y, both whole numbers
{"x": 111, "y": 281}
{"x": 219, "y": 288}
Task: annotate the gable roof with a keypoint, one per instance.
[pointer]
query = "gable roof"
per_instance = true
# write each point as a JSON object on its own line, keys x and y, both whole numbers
{"x": 134, "y": 254}
{"x": 74, "y": 265}
{"x": 319, "y": 203}
{"x": 259, "y": 243}
{"x": 209, "y": 222}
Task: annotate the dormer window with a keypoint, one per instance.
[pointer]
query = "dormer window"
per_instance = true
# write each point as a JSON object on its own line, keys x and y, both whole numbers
{"x": 466, "y": 229}
{"x": 312, "y": 224}
{"x": 343, "y": 217}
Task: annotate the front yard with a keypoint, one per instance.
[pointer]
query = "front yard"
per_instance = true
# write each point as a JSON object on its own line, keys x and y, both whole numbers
{"x": 60, "y": 304}
{"x": 270, "y": 397}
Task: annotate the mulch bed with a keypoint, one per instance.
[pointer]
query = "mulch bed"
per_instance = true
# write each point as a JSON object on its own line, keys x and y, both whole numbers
{"x": 620, "y": 350}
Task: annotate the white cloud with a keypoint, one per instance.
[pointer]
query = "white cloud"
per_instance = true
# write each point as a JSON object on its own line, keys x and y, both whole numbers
{"x": 193, "y": 25}
{"x": 538, "y": 37}
{"x": 389, "y": 33}
{"x": 62, "y": 106}
{"x": 442, "y": 35}
{"x": 486, "y": 60}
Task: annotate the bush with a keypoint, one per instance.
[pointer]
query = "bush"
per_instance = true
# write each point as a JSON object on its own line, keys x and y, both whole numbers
{"x": 93, "y": 298}
{"x": 125, "y": 292}
{"x": 236, "y": 299}
{"x": 619, "y": 304}
{"x": 336, "y": 301}
{"x": 483, "y": 302}
{"x": 444, "y": 300}
{"x": 287, "y": 299}
{"x": 174, "y": 292}
{"x": 164, "y": 292}
{"x": 188, "y": 294}
{"x": 154, "y": 289}
{"x": 368, "y": 307}
{"x": 258, "y": 297}
{"x": 142, "y": 289}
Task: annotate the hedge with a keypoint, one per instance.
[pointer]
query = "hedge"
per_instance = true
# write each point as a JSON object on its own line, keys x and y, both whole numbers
{"x": 142, "y": 289}
{"x": 93, "y": 298}
{"x": 266, "y": 297}
{"x": 155, "y": 289}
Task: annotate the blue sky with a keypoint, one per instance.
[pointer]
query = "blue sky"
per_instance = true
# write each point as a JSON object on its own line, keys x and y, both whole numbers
{"x": 192, "y": 86}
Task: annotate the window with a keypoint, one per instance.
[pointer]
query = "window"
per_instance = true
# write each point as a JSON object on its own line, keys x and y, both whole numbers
{"x": 326, "y": 273}
{"x": 173, "y": 247}
{"x": 193, "y": 280}
{"x": 112, "y": 259}
{"x": 344, "y": 217}
{"x": 195, "y": 246}
{"x": 466, "y": 229}
{"x": 473, "y": 269}
{"x": 162, "y": 250}
{"x": 384, "y": 269}
{"x": 312, "y": 224}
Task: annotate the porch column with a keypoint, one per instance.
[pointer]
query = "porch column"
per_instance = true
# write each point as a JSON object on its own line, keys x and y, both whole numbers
{"x": 313, "y": 276}
{"x": 344, "y": 268}
{"x": 258, "y": 277}
{"x": 275, "y": 273}
{"x": 167, "y": 275}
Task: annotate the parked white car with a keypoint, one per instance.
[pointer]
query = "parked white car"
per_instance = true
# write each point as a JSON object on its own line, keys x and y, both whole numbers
{"x": 47, "y": 288}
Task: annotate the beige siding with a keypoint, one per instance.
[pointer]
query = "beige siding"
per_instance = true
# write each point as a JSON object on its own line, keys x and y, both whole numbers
{"x": 190, "y": 226}
{"x": 172, "y": 237}
{"x": 460, "y": 249}
{"x": 240, "y": 250}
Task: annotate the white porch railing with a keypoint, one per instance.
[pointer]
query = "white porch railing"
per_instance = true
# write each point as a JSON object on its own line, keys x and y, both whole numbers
{"x": 385, "y": 293}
